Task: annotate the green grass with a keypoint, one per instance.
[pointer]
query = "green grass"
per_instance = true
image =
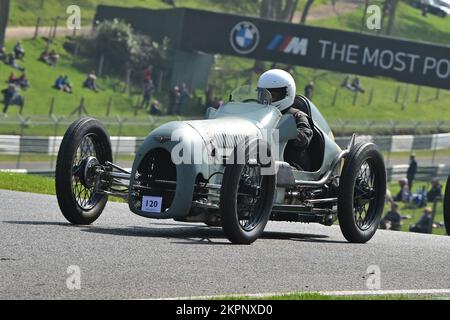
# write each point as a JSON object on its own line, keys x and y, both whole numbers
{"x": 318, "y": 296}
{"x": 27, "y": 183}
{"x": 409, "y": 24}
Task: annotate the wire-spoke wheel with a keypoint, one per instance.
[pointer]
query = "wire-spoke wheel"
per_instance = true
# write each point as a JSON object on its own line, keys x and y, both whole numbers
{"x": 247, "y": 194}
{"x": 362, "y": 190}
{"x": 85, "y": 146}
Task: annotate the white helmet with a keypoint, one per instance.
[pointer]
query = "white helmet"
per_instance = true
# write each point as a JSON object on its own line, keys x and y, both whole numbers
{"x": 281, "y": 85}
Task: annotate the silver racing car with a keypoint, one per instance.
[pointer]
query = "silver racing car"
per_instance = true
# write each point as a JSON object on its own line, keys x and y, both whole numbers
{"x": 227, "y": 171}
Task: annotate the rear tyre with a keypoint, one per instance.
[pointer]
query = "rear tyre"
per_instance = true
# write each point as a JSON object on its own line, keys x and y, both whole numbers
{"x": 246, "y": 196}
{"x": 85, "y": 145}
{"x": 446, "y": 203}
{"x": 362, "y": 190}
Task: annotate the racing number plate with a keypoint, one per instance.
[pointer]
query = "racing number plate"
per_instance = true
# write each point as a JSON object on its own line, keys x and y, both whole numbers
{"x": 151, "y": 204}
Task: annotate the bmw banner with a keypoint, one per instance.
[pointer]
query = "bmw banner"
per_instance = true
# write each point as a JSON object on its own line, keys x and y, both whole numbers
{"x": 349, "y": 52}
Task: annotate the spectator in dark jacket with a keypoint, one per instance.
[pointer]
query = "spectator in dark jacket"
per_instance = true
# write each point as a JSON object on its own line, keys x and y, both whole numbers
{"x": 424, "y": 225}
{"x": 392, "y": 219}
{"x": 412, "y": 169}
{"x": 435, "y": 192}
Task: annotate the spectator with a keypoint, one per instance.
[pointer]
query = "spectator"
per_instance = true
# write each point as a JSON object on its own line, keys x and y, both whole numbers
{"x": 403, "y": 194}
{"x": 11, "y": 96}
{"x": 309, "y": 90}
{"x": 356, "y": 84}
{"x": 67, "y": 84}
{"x": 63, "y": 83}
{"x": 53, "y": 58}
{"x": 90, "y": 82}
{"x": 148, "y": 92}
{"x": 424, "y": 225}
{"x": 44, "y": 57}
{"x": 346, "y": 83}
{"x": 412, "y": 169}
{"x": 19, "y": 51}
{"x": 155, "y": 108}
{"x": 175, "y": 101}
{"x": 185, "y": 95}
{"x": 148, "y": 74}
{"x": 11, "y": 61}
{"x": 23, "y": 82}
{"x": 392, "y": 219}
{"x": 435, "y": 192}
{"x": 12, "y": 78}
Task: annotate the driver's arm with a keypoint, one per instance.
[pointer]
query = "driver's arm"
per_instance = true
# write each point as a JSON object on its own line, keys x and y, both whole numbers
{"x": 304, "y": 131}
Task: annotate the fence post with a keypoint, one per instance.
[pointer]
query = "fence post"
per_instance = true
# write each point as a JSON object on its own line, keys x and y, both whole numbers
{"x": 100, "y": 66}
{"x": 370, "y": 97}
{"x": 335, "y": 97}
{"x": 52, "y": 106}
{"x": 36, "y": 30}
{"x": 397, "y": 94}
{"x": 418, "y": 94}
{"x": 355, "y": 97}
{"x": 108, "y": 108}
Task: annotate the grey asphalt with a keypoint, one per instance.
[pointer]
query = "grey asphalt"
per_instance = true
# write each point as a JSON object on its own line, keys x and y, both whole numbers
{"x": 126, "y": 256}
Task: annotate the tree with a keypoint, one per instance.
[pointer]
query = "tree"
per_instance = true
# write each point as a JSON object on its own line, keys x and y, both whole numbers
{"x": 280, "y": 10}
{"x": 391, "y": 11}
{"x": 305, "y": 12}
{"x": 4, "y": 13}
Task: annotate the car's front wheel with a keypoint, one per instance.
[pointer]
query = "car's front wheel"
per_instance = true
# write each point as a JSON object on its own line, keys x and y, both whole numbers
{"x": 247, "y": 194}
{"x": 85, "y": 146}
{"x": 362, "y": 190}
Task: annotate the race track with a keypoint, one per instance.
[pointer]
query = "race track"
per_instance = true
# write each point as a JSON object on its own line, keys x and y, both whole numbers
{"x": 125, "y": 256}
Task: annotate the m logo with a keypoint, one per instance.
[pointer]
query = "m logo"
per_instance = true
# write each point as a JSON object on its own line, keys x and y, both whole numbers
{"x": 288, "y": 44}
{"x": 244, "y": 37}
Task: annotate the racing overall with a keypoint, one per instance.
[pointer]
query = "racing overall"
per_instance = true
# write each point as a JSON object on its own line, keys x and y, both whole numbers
{"x": 295, "y": 153}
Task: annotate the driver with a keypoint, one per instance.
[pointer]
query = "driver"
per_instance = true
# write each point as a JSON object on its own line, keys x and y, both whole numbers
{"x": 282, "y": 87}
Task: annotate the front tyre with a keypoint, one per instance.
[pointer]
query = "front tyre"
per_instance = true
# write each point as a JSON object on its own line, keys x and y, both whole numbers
{"x": 247, "y": 194}
{"x": 446, "y": 203}
{"x": 362, "y": 190}
{"x": 85, "y": 146}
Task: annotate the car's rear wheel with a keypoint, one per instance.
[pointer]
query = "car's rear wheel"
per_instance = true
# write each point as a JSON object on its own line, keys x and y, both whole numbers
{"x": 247, "y": 194}
{"x": 362, "y": 190}
{"x": 85, "y": 146}
{"x": 446, "y": 203}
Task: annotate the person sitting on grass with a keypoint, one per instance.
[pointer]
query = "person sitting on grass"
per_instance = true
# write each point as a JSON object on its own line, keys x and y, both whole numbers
{"x": 155, "y": 108}
{"x": 53, "y": 58}
{"x": 392, "y": 219}
{"x": 19, "y": 51}
{"x": 403, "y": 195}
{"x": 11, "y": 96}
{"x": 44, "y": 57}
{"x": 12, "y": 78}
{"x": 90, "y": 82}
{"x": 23, "y": 82}
{"x": 424, "y": 225}
{"x": 63, "y": 83}
{"x": 435, "y": 192}
{"x": 11, "y": 61}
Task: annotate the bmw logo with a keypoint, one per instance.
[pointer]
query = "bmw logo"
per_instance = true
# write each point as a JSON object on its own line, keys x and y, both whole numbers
{"x": 244, "y": 37}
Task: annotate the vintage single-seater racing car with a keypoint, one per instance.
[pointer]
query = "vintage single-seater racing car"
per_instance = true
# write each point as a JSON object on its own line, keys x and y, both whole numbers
{"x": 227, "y": 171}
